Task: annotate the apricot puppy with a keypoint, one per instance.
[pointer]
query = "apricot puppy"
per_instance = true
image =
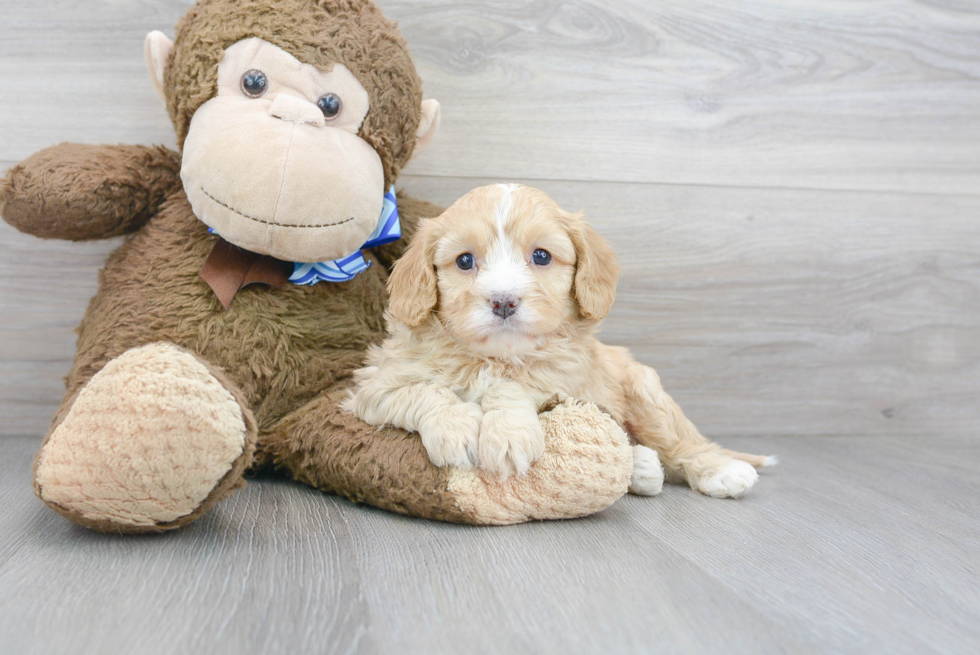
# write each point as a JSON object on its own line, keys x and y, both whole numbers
{"x": 492, "y": 312}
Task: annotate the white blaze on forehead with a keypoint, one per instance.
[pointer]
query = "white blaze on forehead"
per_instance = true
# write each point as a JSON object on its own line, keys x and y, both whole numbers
{"x": 504, "y": 206}
{"x": 505, "y": 270}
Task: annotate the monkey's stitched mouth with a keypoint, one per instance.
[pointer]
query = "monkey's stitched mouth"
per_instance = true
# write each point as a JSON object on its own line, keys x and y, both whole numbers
{"x": 259, "y": 220}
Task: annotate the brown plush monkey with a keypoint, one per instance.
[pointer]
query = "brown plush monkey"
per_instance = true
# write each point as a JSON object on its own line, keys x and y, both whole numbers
{"x": 198, "y": 359}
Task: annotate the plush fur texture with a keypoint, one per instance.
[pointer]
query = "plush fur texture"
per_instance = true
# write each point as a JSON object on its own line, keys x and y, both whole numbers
{"x": 96, "y": 452}
{"x": 315, "y": 187}
{"x": 584, "y": 467}
{"x": 285, "y": 356}
{"x": 110, "y": 522}
{"x": 493, "y": 310}
{"x": 88, "y": 192}
{"x": 352, "y": 32}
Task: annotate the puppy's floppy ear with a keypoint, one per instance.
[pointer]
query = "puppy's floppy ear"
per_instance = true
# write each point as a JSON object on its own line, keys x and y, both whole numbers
{"x": 412, "y": 291}
{"x": 596, "y": 268}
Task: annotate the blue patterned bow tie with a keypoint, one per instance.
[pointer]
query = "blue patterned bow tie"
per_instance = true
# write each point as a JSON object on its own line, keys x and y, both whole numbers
{"x": 340, "y": 270}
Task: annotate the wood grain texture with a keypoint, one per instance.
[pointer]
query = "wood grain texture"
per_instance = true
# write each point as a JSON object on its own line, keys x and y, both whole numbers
{"x": 776, "y": 93}
{"x": 799, "y": 93}
{"x": 46, "y": 287}
{"x": 850, "y": 546}
{"x": 688, "y": 131}
{"x": 765, "y": 312}
{"x": 793, "y": 312}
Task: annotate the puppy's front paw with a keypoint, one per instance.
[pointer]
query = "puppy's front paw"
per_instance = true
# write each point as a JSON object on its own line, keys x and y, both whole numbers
{"x": 731, "y": 481}
{"x": 648, "y": 474}
{"x": 509, "y": 442}
{"x": 451, "y": 436}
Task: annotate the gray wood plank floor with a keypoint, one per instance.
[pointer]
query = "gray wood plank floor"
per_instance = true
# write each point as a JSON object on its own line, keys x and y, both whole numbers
{"x": 850, "y": 546}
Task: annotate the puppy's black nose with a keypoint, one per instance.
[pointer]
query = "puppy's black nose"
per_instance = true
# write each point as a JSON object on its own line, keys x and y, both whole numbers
{"x": 504, "y": 305}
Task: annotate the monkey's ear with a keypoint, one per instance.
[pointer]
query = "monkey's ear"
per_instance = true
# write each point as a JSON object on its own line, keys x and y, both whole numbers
{"x": 412, "y": 287}
{"x": 428, "y": 125}
{"x": 157, "y": 49}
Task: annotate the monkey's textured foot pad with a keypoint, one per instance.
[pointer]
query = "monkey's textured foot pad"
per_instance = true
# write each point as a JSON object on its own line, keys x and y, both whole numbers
{"x": 151, "y": 441}
{"x": 586, "y": 467}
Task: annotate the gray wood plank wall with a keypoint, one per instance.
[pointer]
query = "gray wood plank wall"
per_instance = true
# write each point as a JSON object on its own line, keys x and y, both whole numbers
{"x": 793, "y": 185}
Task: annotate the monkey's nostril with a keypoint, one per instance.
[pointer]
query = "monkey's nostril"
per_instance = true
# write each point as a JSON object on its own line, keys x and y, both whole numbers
{"x": 504, "y": 306}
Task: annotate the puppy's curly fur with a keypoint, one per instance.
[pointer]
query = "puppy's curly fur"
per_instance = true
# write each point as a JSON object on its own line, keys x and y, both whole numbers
{"x": 493, "y": 310}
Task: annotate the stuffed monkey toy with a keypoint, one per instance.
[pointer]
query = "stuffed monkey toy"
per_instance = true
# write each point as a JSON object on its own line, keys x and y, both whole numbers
{"x": 252, "y": 278}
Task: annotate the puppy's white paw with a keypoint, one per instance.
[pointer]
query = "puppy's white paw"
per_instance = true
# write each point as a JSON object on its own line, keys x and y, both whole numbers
{"x": 509, "y": 442}
{"x": 648, "y": 474}
{"x": 731, "y": 481}
{"x": 452, "y": 435}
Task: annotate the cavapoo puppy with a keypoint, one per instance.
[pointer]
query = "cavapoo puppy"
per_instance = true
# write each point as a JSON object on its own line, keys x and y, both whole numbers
{"x": 493, "y": 310}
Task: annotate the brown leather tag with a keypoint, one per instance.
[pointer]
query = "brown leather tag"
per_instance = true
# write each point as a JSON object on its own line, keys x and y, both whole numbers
{"x": 229, "y": 268}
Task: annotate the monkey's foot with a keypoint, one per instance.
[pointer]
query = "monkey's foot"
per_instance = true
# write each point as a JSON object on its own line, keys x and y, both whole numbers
{"x": 154, "y": 439}
{"x": 586, "y": 467}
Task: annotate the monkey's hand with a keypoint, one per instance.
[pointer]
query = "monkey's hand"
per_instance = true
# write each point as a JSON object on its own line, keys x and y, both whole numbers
{"x": 77, "y": 192}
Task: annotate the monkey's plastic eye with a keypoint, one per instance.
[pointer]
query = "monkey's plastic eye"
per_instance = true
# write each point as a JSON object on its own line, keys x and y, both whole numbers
{"x": 254, "y": 83}
{"x": 465, "y": 261}
{"x": 330, "y": 105}
{"x": 541, "y": 257}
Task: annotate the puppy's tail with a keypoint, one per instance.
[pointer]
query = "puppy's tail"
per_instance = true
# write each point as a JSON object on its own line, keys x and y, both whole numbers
{"x": 758, "y": 461}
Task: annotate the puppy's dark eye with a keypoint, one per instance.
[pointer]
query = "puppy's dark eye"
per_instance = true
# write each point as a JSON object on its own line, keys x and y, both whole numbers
{"x": 254, "y": 83}
{"x": 541, "y": 257}
{"x": 330, "y": 105}
{"x": 465, "y": 261}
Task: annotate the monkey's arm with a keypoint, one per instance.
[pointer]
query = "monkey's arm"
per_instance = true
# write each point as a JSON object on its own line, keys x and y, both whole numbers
{"x": 77, "y": 192}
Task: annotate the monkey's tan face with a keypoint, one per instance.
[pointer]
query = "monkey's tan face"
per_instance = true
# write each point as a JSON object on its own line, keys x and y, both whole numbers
{"x": 274, "y": 162}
